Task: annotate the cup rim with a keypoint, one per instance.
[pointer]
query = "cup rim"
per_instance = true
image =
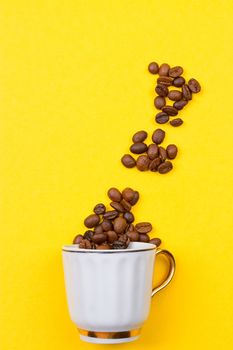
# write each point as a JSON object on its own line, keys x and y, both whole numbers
{"x": 134, "y": 247}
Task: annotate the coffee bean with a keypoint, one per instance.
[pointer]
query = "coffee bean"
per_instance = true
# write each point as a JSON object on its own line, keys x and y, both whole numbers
{"x": 119, "y": 225}
{"x": 175, "y": 95}
{"x": 133, "y": 236}
{"x": 154, "y": 164}
{"x": 107, "y": 225}
{"x": 119, "y": 245}
{"x": 144, "y": 238}
{"x": 153, "y": 68}
{"x": 158, "y": 136}
{"x": 153, "y": 151}
{"x": 170, "y": 110}
{"x": 164, "y": 80}
{"x": 194, "y": 86}
{"x": 114, "y": 194}
{"x": 171, "y": 151}
{"x": 143, "y": 227}
{"x": 180, "y": 104}
{"x": 85, "y": 244}
{"x": 99, "y": 238}
{"x": 98, "y": 229}
{"x": 178, "y": 82}
{"x": 143, "y": 163}
{"x": 129, "y": 217}
{"x": 103, "y": 246}
{"x": 139, "y": 136}
{"x": 117, "y": 206}
{"x": 187, "y": 94}
{"x": 128, "y": 161}
{"x": 130, "y": 228}
{"x": 77, "y": 239}
{"x": 159, "y": 102}
{"x": 176, "y": 122}
{"x": 161, "y": 90}
{"x": 138, "y": 148}
{"x": 88, "y": 235}
{"x": 112, "y": 236}
{"x": 135, "y": 198}
{"x": 100, "y": 209}
{"x": 164, "y": 69}
{"x": 156, "y": 241}
{"x": 111, "y": 214}
{"x": 124, "y": 238}
{"x": 165, "y": 167}
{"x": 128, "y": 194}
{"x": 162, "y": 118}
{"x": 162, "y": 154}
{"x": 175, "y": 71}
{"x": 92, "y": 220}
{"x": 126, "y": 205}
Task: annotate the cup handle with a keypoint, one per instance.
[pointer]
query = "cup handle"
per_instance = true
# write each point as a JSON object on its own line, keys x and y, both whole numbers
{"x": 171, "y": 271}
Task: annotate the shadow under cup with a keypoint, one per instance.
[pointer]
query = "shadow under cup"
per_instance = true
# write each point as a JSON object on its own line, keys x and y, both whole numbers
{"x": 109, "y": 291}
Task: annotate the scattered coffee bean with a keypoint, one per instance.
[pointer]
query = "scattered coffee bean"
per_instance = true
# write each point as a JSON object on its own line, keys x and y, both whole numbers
{"x": 130, "y": 228}
{"x": 126, "y": 205}
{"x": 99, "y": 238}
{"x": 153, "y": 151}
{"x": 159, "y": 102}
{"x": 111, "y": 214}
{"x": 175, "y": 71}
{"x": 170, "y": 110}
{"x": 162, "y": 118}
{"x": 129, "y": 217}
{"x": 98, "y": 229}
{"x": 124, "y": 238}
{"x": 119, "y": 225}
{"x": 175, "y": 95}
{"x": 143, "y": 227}
{"x": 133, "y": 236}
{"x": 99, "y": 209}
{"x": 164, "y": 69}
{"x": 194, "y": 86}
{"x": 154, "y": 164}
{"x": 128, "y": 194}
{"x": 187, "y": 94}
{"x": 139, "y": 136}
{"x": 103, "y": 246}
{"x": 117, "y": 206}
{"x": 165, "y": 167}
{"x": 107, "y": 225}
{"x": 176, "y": 122}
{"x": 158, "y": 136}
{"x": 135, "y": 198}
{"x": 144, "y": 238}
{"x": 85, "y": 244}
{"x": 153, "y": 68}
{"x": 128, "y": 161}
{"x": 164, "y": 80}
{"x": 171, "y": 151}
{"x": 143, "y": 163}
{"x": 178, "y": 82}
{"x": 88, "y": 235}
{"x": 92, "y": 220}
{"x": 77, "y": 239}
{"x": 161, "y": 90}
{"x": 112, "y": 236}
{"x": 138, "y": 148}
{"x": 119, "y": 245}
{"x": 114, "y": 194}
{"x": 156, "y": 241}
{"x": 180, "y": 104}
{"x": 162, "y": 154}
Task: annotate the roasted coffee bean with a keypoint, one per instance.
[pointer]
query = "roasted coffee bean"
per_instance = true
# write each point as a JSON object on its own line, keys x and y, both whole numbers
{"x": 98, "y": 229}
{"x": 133, "y": 236}
{"x": 119, "y": 245}
{"x": 161, "y": 90}
{"x": 92, "y": 220}
{"x": 124, "y": 238}
{"x": 144, "y": 238}
{"x": 100, "y": 209}
{"x": 119, "y": 225}
{"x": 112, "y": 236}
{"x": 143, "y": 227}
{"x": 180, "y": 104}
{"x": 129, "y": 217}
{"x": 99, "y": 238}
{"x": 143, "y": 163}
{"x": 170, "y": 110}
{"x": 153, "y": 151}
{"x": 161, "y": 118}
{"x": 154, "y": 164}
{"x": 165, "y": 167}
{"x": 171, "y": 151}
{"x": 88, "y": 235}
{"x": 107, "y": 225}
{"x": 111, "y": 214}
{"x": 153, "y": 68}
{"x": 126, "y": 205}
{"x": 158, "y": 136}
{"x": 178, "y": 82}
{"x": 194, "y": 86}
{"x": 156, "y": 241}
{"x": 159, "y": 102}
{"x": 128, "y": 194}
{"x": 164, "y": 80}
{"x": 135, "y": 198}
{"x": 139, "y": 136}
{"x": 77, "y": 239}
{"x": 85, "y": 244}
{"x": 175, "y": 72}
{"x": 164, "y": 69}
{"x": 103, "y": 246}
{"x": 130, "y": 228}
{"x": 187, "y": 94}
{"x": 175, "y": 95}
{"x": 138, "y": 148}
{"x": 176, "y": 122}
{"x": 117, "y": 206}
{"x": 114, "y": 194}
{"x": 128, "y": 161}
{"x": 162, "y": 154}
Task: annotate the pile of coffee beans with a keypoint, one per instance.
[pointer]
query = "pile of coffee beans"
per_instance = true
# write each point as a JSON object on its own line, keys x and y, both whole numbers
{"x": 114, "y": 229}
{"x": 151, "y": 157}
{"x": 171, "y": 85}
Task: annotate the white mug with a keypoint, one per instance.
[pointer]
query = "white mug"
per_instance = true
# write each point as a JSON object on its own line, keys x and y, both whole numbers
{"x": 109, "y": 291}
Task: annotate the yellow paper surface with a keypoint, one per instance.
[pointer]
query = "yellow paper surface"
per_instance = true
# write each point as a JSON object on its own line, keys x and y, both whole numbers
{"x": 74, "y": 87}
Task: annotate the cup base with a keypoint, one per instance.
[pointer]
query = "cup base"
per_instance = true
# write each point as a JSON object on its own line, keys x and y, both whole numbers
{"x": 109, "y": 337}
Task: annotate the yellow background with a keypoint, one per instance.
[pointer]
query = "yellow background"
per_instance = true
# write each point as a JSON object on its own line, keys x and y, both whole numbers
{"x": 74, "y": 88}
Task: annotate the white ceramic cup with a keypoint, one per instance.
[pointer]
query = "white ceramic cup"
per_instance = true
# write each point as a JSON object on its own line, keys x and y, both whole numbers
{"x": 109, "y": 291}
